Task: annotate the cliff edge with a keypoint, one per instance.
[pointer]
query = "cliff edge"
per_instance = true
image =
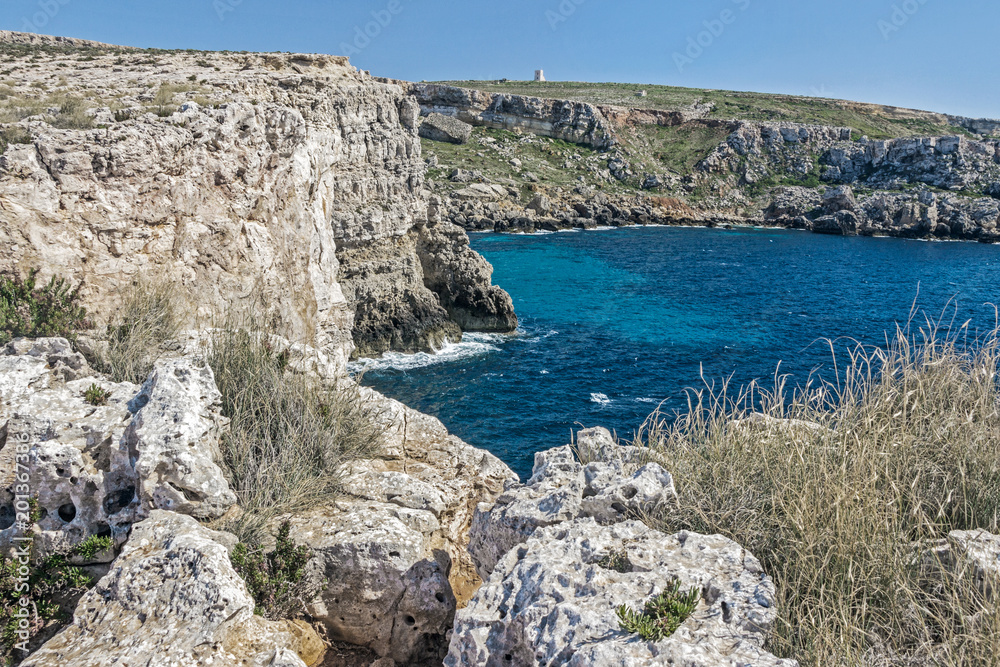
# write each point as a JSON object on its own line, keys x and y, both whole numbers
{"x": 293, "y": 179}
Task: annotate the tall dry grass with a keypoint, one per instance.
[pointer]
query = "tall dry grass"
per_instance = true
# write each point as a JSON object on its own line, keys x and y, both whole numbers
{"x": 289, "y": 433}
{"x": 901, "y": 447}
{"x": 147, "y": 320}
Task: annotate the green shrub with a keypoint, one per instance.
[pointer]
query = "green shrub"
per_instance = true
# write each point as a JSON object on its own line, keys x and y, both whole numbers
{"x": 73, "y": 115}
{"x": 29, "y": 311}
{"x": 146, "y": 320}
{"x": 662, "y": 614}
{"x": 54, "y": 587}
{"x": 96, "y": 395}
{"x": 13, "y": 135}
{"x": 902, "y": 447}
{"x": 276, "y": 580}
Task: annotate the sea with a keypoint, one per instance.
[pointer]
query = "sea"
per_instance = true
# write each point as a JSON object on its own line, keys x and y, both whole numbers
{"x": 616, "y": 324}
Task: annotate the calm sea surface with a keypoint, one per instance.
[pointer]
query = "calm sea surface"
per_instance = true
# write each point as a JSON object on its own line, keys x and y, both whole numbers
{"x": 616, "y": 322}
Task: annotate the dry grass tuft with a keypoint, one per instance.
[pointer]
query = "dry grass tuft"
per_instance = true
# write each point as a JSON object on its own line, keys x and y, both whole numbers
{"x": 147, "y": 320}
{"x": 289, "y": 433}
{"x": 901, "y": 448}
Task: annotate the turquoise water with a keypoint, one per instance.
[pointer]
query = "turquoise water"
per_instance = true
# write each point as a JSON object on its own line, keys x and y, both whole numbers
{"x": 616, "y": 322}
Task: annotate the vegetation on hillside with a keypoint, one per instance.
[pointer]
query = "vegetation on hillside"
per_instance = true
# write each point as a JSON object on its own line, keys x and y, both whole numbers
{"x": 875, "y": 121}
{"x": 896, "y": 451}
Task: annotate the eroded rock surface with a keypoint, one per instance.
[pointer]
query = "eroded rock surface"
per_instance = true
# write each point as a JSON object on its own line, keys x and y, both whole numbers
{"x": 563, "y": 489}
{"x": 551, "y": 602}
{"x": 97, "y": 469}
{"x": 577, "y": 122}
{"x": 173, "y": 442}
{"x": 393, "y": 552}
{"x": 173, "y": 598}
{"x": 293, "y": 178}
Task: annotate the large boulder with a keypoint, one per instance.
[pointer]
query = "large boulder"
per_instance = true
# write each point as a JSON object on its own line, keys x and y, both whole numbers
{"x": 438, "y": 127}
{"x": 173, "y": 598}
{"x": 614, "y": 485}
{"x": 842, "y": 223}
{"x": 553, "y": 600}
{"x": 792, "y": 202}
{"x": 839, "y": 199}
{"x": 392, "y": 554}
{"x": 386, "y": 580}
{"x": 173, "y": 442}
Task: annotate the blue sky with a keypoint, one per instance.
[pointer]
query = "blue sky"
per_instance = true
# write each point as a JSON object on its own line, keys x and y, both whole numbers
{"x": 928, "y": 54}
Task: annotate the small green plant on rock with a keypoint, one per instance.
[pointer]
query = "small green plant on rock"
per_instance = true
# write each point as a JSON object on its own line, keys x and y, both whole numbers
{"x": 52, "y": 586}
{"x": 276, "y": 580}
{"x": 617, "y": 561}
{"x": 662, "y": 614}
{"x": 96, "y": 395}
{"x": 30, "y": 311}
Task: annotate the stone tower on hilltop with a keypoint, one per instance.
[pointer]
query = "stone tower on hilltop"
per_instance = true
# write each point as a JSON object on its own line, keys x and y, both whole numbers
{"x": 539, "y": 75}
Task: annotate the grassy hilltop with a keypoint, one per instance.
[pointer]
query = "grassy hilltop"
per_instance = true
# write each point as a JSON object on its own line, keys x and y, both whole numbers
{"x": 875, "y": 121}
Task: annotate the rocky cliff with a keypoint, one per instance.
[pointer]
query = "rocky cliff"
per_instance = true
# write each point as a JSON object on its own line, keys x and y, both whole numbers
{"x": 294, "y": 179}
{"x": 576, "y": 122}
{"x": 682, "y": 166}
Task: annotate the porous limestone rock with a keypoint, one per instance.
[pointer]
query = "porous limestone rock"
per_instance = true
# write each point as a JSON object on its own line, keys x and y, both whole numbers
{"x": 386, "y": 586}
{"x": 551, "y": 602}
{"x": 562, "y": 489}
{"x": 97, "y": 469}
{"x": 173, "y": 442}
{"x": 67, "y": 446}
{"x": 971, "y": 555}
{"x": 393, "y": 550}
{"x": 173, "y": 598}
{"x": 449, "y": 129}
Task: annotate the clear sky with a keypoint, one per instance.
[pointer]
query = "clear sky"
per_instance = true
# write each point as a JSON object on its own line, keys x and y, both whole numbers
{"x": 929, "y": 54}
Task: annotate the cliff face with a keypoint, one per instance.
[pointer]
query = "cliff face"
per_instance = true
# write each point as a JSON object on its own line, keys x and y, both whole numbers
{"x": 681, "y": 166}
{"x": 576, "y": 122}
{"x": 294, "y": 179}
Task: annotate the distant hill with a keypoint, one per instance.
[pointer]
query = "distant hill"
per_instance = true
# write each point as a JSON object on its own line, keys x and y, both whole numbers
{"x": 873, "y": 120}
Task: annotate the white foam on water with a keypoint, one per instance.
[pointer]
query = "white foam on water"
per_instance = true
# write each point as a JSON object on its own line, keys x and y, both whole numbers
{"x": 472, "y": 345}
{"x": 601, "y": 399}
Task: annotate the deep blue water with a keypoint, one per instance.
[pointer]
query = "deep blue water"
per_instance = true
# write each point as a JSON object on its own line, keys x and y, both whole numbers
{"x": 614, "y": 322}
